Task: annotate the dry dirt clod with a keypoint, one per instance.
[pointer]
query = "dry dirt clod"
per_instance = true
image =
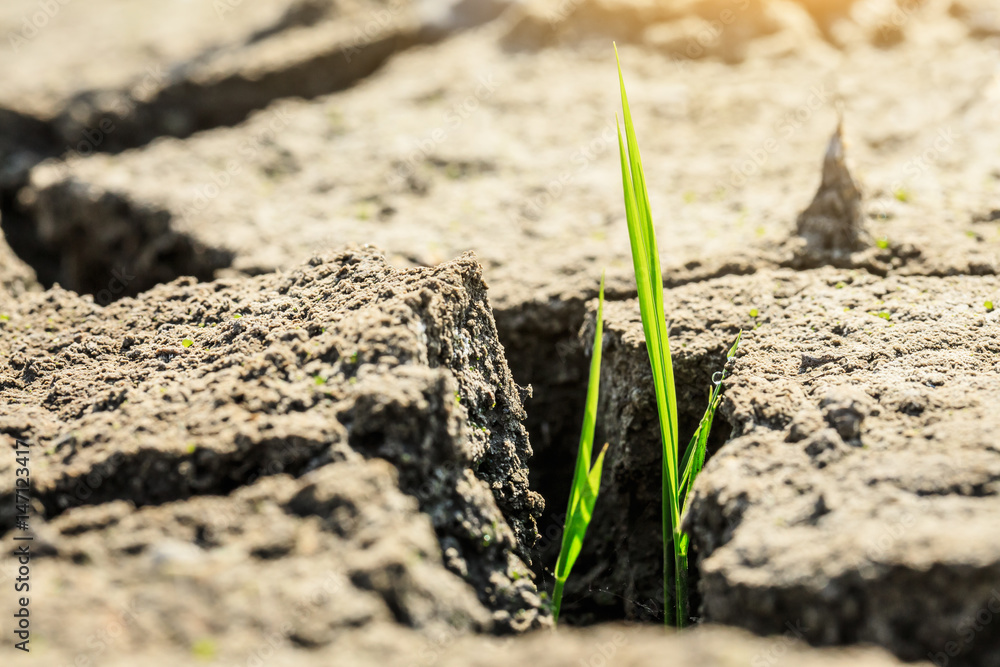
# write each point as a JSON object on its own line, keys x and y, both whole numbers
{"x": 832, "y": 226}
{"x": 858, "y": 472}
{"x": 16, "y": 277}
{"x": 344, "y": 417}
{"x": 260, "y": 455}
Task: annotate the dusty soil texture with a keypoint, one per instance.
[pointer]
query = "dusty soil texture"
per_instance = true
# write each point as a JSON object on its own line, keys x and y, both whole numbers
{"x": 58, "y": 87}
{"x": 196, "y": 401}
{"x": 331, "y": 469}
{"x": 16, "y": 277}
{"x": 429, "y": 156}
{"x": 857, "y": 494}
{"x": 164, "y": 70}
{"x": 316, "y": 455}
{"x": 503, "y": 128}
{"x": 49, "y": 67}
{"x": 379, "y": 643}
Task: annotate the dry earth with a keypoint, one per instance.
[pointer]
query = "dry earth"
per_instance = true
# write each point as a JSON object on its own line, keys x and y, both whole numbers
{"x": 197, "y": 390}
{"x": 856, "y": 494}
{"x": 16, "y": 277}
{"x": 342, "y": 472}
{"x": 148, "y": 69}
{"x": 386, "y": 644}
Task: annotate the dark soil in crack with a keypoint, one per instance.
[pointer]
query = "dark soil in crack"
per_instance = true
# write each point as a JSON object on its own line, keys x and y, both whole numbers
{"x": 619, "y": 575}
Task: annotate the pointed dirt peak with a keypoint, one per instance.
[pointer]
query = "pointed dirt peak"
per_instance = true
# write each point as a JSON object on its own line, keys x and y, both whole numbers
{"x": 832, "y": 225}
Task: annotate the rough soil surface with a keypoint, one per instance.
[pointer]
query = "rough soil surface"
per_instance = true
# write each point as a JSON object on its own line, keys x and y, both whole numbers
{"x": 161, "y": 69}
{"x": 58, "y": 87}
{"x": 857, "y": 492}
{"x": 440, "y": 149}
{"x": 232, "y": 58}
{"x": 49, "y": 66}
{"x": 468, "y": 144}
{"x": 16, "y": 277}
{"x": 334, "y": 468}
{"x": 199, "y": 390}
{"x": 832, "y": 227}
{"x": 372, "y": 644}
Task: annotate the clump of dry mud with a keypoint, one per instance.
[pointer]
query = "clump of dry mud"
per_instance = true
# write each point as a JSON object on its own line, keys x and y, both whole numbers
{"x": 248, "y": 439}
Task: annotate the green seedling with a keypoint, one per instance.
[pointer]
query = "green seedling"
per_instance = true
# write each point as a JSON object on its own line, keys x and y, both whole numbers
{"x": 586, "y": 478}
{"x": 678, "y": 475}
{"x": 691, "y": 465}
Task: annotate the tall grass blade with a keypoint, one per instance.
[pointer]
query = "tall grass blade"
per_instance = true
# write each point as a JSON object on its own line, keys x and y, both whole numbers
{"x": 649, "y": 283}
{"x": 586, "y": 478}
{"x": 677, "y": 475}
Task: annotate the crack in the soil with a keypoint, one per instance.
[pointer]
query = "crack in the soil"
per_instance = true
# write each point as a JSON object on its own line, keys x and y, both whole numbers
{"x": 604, "y": 583}
{"x": 180, "y": 108}
{"x": 176, "y": 477}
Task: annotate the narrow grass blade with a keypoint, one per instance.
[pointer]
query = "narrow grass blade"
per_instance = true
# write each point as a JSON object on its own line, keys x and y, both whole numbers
{"x": 586, "y": 479}
{"x": 649, "y": 283}
{"x": 585, "y": 449}
{"x": 677, "y": 475}
{"x": 694, "y": 457}
{"x": 649, "y": 256}
{"x": 582, "y": 513}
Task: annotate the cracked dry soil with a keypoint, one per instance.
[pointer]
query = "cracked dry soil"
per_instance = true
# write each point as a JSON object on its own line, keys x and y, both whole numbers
{"x": 257, "y": 439}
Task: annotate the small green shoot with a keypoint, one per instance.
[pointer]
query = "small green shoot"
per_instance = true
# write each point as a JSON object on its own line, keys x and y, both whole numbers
{"x": 204, "y": 649}
{"x": 694, "y": 455}
{"x": 989, "y": 306}
{"x": 678, "y": 476}
{"x": 586, "y": 478}
{"x": 187, "y": 342}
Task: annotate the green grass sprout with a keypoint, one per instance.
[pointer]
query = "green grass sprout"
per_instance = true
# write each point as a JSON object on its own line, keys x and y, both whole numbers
{"x": 678, "y": 476}
{"x": 692, "y": 463}
{"x": 586, "y": 478}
